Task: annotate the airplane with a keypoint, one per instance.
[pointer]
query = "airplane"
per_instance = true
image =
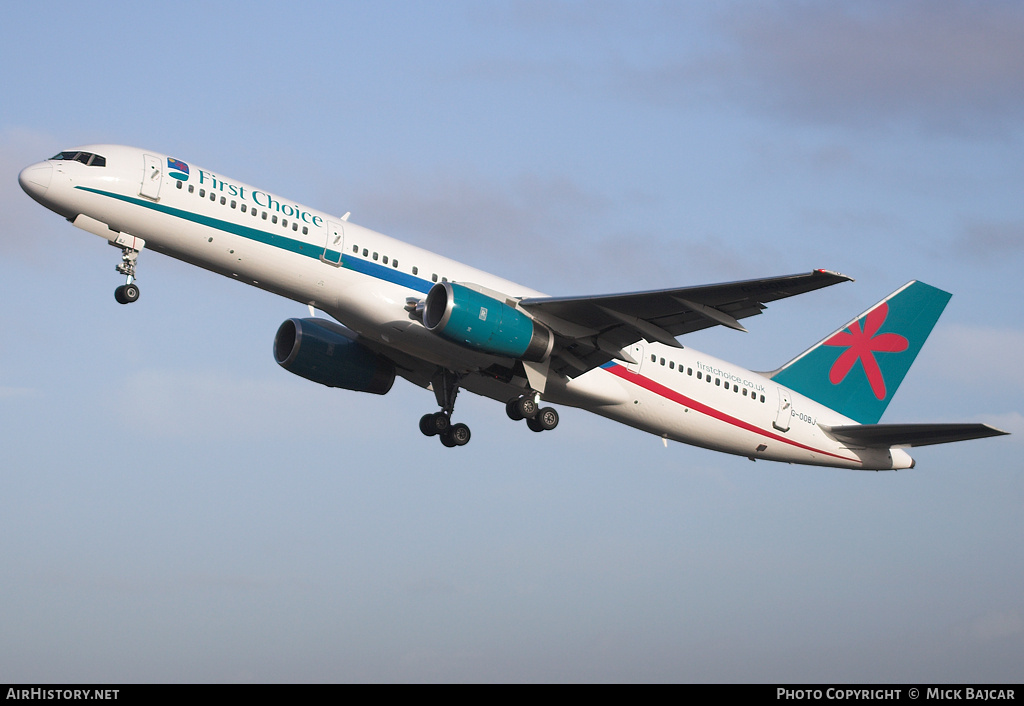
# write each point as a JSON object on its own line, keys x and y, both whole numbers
{"x": 401, "y": 311}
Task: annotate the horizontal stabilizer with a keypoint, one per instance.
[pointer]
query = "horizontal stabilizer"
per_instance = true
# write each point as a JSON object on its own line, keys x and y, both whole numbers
{"x": 885, "y": 436}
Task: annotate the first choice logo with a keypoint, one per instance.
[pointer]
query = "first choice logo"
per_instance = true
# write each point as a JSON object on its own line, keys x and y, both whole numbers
{"x": 177, "y": 169}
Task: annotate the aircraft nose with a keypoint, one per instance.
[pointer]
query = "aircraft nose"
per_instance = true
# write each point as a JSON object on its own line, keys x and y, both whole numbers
{"x": 35, "y": 179}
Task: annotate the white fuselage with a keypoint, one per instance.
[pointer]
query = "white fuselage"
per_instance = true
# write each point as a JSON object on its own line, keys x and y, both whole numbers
{"x": 364, "y": 279}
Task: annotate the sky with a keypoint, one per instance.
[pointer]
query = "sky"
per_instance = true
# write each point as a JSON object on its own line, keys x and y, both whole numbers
{"x": 174, "y": 507}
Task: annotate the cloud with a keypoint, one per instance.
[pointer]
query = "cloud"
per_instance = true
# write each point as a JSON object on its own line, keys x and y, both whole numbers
{"x": 495, "y": 225}
{"x": 551, "y": 232}
{"x": 992, "y": 241}
{"x": 976, "y": 356}
{"x": 1012, "y": 422}
{"x": 942, "y": 64}
{"x": 212, "y": 404}
{"x": 455, "y": 209}
{"x": 6, "y": 392}
{"x": 996, "y": 625}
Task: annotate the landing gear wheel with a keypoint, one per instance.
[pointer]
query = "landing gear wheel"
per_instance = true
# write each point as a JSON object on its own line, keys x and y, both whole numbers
{"x": 459, "y": 433}
{"x": 526, "y": 407}
{"x": 547, "y": 418}
{"x": 427, "y": 427}
{"x": 126, "y": 293}
{"x": 441, "y": 422}
{"x": 512, "y": 410}
{"x": 445, "y": 384}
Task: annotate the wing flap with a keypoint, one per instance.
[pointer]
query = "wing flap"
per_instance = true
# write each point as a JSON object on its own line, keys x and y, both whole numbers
{"x": 885, "y": 436}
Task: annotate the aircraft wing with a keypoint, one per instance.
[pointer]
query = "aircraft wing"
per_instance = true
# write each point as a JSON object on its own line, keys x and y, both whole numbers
{"x": 592, "y": 330}
{"x": 884, "y": 436}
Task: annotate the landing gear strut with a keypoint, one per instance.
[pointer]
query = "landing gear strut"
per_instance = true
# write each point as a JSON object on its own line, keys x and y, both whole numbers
{"x": 446, "y": 388}
{"x": 128, "y": 292}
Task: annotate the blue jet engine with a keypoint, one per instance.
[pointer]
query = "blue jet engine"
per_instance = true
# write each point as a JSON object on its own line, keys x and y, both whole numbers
{"x": 327, "y": 353}
{"x": 476, "y": 320}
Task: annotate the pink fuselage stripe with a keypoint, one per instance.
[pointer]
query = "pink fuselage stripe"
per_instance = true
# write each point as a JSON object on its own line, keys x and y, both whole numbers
{"x": 670, "y": 394}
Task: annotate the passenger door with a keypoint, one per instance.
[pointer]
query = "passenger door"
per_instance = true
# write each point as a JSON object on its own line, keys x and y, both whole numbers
{"x": 334, "y": 243}
{"x": 152, "y": 176}
{"x": 785, "y": 411}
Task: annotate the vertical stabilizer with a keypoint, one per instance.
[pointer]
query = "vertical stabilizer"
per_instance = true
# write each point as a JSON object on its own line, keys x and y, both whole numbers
{"x": 857, "y": 369}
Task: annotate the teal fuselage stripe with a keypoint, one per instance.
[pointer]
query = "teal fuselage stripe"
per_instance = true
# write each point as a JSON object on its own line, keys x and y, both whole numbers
{"x": 298, "y": 247}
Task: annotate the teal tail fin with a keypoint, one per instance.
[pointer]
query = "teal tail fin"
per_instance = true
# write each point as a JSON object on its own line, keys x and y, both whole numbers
{"x": 857, "y": 369}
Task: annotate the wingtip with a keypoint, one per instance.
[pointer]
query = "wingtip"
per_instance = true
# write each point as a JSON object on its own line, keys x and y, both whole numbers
{"x": 833, "y": 273}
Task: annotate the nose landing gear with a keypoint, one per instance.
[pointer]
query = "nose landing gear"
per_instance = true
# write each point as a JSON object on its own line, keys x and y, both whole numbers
{"x": 128, "y": 292}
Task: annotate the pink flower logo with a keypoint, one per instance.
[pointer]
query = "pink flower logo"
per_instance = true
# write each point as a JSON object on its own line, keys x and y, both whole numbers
{"x": 862, "y": 345}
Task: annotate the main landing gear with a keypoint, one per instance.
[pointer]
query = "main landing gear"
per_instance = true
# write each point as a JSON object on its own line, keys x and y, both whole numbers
{"x": 537, "y": 418}
{"x": 128, "y": 292}
{"x": 446, "y": 387}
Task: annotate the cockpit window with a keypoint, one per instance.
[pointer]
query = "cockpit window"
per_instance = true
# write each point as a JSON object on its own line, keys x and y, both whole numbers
{"x": 86, "y": 158}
